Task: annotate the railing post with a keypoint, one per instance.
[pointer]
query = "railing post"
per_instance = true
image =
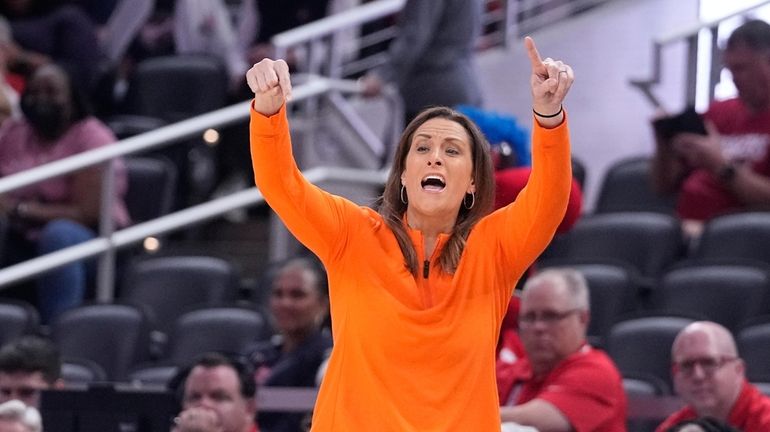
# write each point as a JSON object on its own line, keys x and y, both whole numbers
{"x": 106, "y": 272}
{"x": 715, "y": 69}
{"x": 510, "y": 22}
{"x": 691, "y": 80}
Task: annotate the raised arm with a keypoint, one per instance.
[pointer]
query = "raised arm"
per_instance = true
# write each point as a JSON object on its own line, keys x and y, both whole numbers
{"x": 315, "y": 217}
{"x": 531, "y": 220}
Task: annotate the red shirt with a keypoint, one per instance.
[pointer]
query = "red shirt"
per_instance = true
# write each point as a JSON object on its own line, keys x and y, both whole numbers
{"x": 745, "y": 138}
{"x": 751, "y": 412}
{"x": 586, "y": 387}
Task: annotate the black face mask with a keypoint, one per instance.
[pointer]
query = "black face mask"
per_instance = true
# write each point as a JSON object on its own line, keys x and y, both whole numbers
{"x": 49, "y": 119}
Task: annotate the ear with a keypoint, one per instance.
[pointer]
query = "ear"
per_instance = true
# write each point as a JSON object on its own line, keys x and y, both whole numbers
{"x": 740, "y": 367}
{"x": 471, "y": 187}
{"x": 251, "y": 408}
{"x": 584, "y": 317}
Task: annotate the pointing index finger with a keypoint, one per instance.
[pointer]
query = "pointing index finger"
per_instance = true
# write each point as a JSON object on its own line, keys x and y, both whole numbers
{"x": 534, "y": 55}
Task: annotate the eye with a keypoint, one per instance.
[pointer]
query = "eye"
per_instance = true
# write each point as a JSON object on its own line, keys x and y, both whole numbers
{"x": 454, "y": 151}
{"x": 421, "y": 148}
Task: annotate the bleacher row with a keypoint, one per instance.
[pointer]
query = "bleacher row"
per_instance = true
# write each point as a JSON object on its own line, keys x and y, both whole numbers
{"x": 648, "y": 279}
{"x": 170, "y": 309}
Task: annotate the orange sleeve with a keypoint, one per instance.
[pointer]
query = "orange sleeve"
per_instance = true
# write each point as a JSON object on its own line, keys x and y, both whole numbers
{"x": 524, "y": 228}
{"x": 315, "y": 217}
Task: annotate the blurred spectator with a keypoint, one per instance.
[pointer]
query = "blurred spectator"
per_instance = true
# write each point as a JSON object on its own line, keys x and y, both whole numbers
{"x": 727, "y": 169}
{"x": 562, "y": 384}
{"x": 276, "y": 17}
{"x": 62, "y": 211}
{"x": 44, "y": 34}
{"x": 217, "y": 395}
{"x": 512, "y": 159}
{"x": 28, "y": 366}
{"x": 710, "y": 377}
{"x": 15, "y": 416}
{"x": 298, "y": 307}
{"x": 431, "y": 58}
{"x": 205, "y": 27}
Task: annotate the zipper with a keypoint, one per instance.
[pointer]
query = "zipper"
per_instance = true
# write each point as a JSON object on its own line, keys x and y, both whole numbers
{"x": 425, "y": 269}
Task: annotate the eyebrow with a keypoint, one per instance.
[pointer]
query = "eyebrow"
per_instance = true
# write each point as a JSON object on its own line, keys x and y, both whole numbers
{"x": 426, "y": 135}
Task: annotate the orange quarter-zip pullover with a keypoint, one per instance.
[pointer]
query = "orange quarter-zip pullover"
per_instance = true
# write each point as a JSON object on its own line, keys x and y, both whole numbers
{"x": 411, "y": 353}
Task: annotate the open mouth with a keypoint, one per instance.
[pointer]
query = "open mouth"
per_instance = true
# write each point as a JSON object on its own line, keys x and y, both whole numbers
{"x": 433, "y": 183}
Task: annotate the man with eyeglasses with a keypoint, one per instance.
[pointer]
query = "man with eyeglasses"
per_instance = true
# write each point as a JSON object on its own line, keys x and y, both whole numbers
{"x": 28, "y": 366}
{"x": 710, "y": 377}
{"x": 563, "y": 384}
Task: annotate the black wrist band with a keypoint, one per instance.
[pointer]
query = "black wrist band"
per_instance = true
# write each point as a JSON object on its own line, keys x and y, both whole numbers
{"x": 561, "y": 108}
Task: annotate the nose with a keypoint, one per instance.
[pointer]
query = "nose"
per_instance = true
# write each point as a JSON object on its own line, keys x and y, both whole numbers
{"x": 698, "y": 371}
{"x": 435, "y": 158}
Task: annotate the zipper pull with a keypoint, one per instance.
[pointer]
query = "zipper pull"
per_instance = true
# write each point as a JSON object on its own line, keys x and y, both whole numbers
{"x": 425, "y": 269}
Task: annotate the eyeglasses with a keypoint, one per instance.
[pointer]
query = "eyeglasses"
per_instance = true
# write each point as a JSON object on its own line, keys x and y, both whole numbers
{"x": 546, "y": 317}
{"x": 708, "y": 365}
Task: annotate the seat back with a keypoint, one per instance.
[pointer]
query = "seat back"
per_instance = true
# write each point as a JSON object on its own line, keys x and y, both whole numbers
{"x": 754, "y": 347}
{"x": 648, "y": 242}
{"x": 643, "y": 346}
{"x": 627, "y": 186}
{"x": 17, "y": 318}
{"x": 151, "y": 187}
{"x": 227, "y": 330}
{"x": 177, "y": 87}
{"x": 172, "y": 285}
{"x": 114, "y": 336}
{"x": 81, "y": 371}
{"x": 153, "y": 375}
{"x": 736, "y": 237}
{"x": 724, "y": 293}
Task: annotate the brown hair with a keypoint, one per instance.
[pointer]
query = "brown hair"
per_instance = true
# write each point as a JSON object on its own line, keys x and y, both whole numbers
{"x": 392, "y": 209}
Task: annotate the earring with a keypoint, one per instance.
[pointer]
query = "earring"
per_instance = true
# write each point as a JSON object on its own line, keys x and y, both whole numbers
{"x": 473, "y": 200}
{"x": 403, "y": 199}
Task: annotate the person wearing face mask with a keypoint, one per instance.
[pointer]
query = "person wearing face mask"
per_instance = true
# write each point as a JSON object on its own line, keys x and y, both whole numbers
{"x": 61, "y": 211}
{"x": 298, "y": 307}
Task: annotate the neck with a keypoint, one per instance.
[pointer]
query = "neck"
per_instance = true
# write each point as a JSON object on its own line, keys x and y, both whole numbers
{"x": 294, "y": 339}
{"x": 430, "y": 226}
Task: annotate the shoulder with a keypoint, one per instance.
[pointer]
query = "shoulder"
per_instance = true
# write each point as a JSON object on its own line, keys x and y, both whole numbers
{"x": 591, "y": 367}
{"x": 12, "y": 128}
{"x": 683, "y": 414}
{"x": 92, "y": 133}
{"x": 727, "y": 107}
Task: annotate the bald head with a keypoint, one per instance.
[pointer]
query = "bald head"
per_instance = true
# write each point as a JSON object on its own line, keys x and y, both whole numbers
{"x": 708, "y": 374}
{"x": 716, "y": 335}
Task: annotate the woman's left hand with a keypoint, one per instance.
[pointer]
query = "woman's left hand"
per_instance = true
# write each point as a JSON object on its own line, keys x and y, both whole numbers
{"x": 550, "y": 81}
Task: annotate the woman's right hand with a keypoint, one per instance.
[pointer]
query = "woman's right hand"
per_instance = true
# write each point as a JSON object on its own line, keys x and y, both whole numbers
{"x": 270, "y": 82}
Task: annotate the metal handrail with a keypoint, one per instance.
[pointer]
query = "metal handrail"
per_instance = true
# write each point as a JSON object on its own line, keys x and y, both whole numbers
{"x": 108, "y": 241}
{"x": 689, "y": 34}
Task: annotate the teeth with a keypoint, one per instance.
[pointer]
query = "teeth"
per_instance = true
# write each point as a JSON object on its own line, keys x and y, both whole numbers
{"x": 434, "y": 181}
{"x": 433, "y": 177}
